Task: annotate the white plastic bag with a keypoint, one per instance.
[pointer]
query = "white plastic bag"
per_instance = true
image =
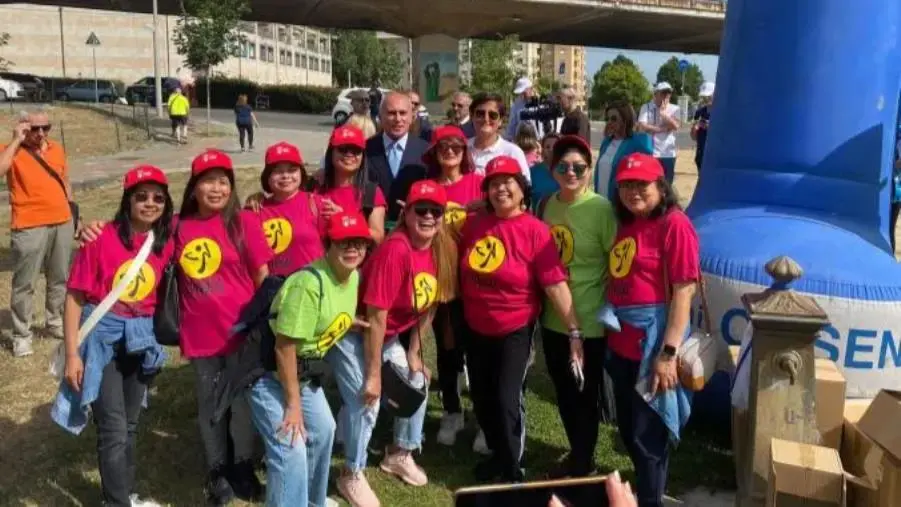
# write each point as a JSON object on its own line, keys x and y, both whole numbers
{"x": 741, "y": 381}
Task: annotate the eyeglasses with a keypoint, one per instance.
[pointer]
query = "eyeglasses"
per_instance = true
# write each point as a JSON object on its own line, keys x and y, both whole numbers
{"x": 157, "y": 198}
{"x": 355, "y": 244}
{"x": 612, "y": 117}
{"x": 456, "y": 105}
{"x": 455, "y": 148}
{"x": 425, "y": 209}
{"x": 37, "y": 128}
{"x": 578, "y": 169}
{"x": 349, "y": 150}
{"x": 415, "y": 104}
{"x": 491, "y": 115}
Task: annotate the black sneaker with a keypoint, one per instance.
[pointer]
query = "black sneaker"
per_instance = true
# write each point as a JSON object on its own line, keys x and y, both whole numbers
{"x": 244, "y": 481}
{"x": 488, "y": 470}
{"x": 218, "y": 491}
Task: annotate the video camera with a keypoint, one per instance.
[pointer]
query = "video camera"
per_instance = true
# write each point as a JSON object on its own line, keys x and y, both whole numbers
{"x": 545, "y": 112}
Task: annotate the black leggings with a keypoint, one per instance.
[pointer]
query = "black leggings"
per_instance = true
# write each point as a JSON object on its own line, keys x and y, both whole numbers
{"x": 449, "y": 320}
{"x": 245, "y": 130}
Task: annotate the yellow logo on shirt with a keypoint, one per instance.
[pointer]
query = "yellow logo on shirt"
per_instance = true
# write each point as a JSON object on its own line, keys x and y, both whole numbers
{"x": 334, "y": 332}
{"x": 140, "y": 287}
{"x": 425, "y": 291}
{"x": 487, "y": 255}
{"x": 278, "y": 234}
{"x": 454, "y": 216}
{"x": 201, "y": 258}
{"x": 621, "y": 257}
{"x": 563, "y": 238}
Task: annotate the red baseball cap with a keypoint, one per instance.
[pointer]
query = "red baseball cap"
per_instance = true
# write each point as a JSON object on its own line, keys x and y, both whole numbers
{"x": 347, "y": 225}
{"x": 639, "y": 167}
{"x": 211, "y": 159}
{"x": 447, "y": 132}
{"x": 571, "y": 142}
{"x": 502, "y": 164}
{"x": 347, "y": 135}
{"x": 427, "y": 191}
{"x": 283, "y": 152}
{"x": 144, "y": 174}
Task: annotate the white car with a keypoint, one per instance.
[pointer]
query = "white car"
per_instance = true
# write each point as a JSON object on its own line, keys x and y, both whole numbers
{"x": 11, "y": 90}
{"x": 343, "y": 109}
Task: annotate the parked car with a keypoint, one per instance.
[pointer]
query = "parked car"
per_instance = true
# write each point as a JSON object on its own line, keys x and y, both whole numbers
{"x": 33, "y": 86}
{"x": 342, "y": 107}
{"x": 89, "y": 91}
{"x": 11, "y": 90}
{"x": 142, "y": 91}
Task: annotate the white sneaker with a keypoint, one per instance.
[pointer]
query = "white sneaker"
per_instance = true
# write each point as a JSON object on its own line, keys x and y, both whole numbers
{"x": 463, "y": 381}
{"x": 451, "y": 424}
{"x": 331, "y": 503}
{"x": 480, "y": 446}
{"x": 137, "y": 502}
{"x": 22, "y": 347}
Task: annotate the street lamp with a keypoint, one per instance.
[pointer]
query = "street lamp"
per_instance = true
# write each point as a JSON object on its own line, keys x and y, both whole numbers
{"x": 157, "y": 81}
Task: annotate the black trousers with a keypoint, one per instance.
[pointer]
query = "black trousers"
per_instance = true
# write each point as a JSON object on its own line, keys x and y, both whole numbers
{"x": 497, "y": 371}
{"x": 231, "y": 440}
{"x": 581, "y": 411}
{"x": 245, "y": 130}
{"x": 893, "y": 222}
{"x": 116, "y": 411}
{"x": 449, "y": 320}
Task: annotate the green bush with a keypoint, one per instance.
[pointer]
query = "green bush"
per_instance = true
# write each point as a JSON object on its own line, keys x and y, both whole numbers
{"x": 298, "y": 98}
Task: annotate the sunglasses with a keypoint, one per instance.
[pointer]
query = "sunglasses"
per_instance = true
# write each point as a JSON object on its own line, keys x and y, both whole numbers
{"x": 425, "y": 209}
{"x": 613, "y": 117}
{"x": 491, "y": 115}
{"x": 457, "y": 106}
{"x": 143, "y": 197}
{"x": 355, "y": 244}
{"x": 415, "y": 104}
{"x": 349, "y": 150}
{"x": 455, "y": 148}
{"x": 578, "y": 169}
{"x": 38, "y": 128}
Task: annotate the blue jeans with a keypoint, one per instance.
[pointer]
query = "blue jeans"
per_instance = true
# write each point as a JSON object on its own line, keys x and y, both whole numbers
{"x": 295, "y": 475}
{"x": 358, "y": 420}
{"x": 669, "y": 167}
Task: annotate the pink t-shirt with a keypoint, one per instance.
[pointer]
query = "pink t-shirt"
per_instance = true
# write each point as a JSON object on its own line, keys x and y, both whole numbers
{"x": 400, "y": 279}
{"x": 347, "y": 197}
{"x": 504, "y": 265}
{"x": 293, "y": 232}
{"x": 216, "y": 281}
{"x": 646, "y": 251}
{"x": 460, "y": 193}
{"x": 98, "y": 265}
{"x": 533, "y": 157}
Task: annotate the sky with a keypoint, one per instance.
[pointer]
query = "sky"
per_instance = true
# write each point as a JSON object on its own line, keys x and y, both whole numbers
{"x": 647, "y": 61}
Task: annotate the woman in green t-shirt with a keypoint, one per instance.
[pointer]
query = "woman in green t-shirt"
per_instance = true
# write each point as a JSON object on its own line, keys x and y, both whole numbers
{"x": 314, "y": 309}
{"x": 584, "y": 227}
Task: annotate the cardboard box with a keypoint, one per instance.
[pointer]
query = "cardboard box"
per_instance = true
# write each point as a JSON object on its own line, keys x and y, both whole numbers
{"x": 882, "y": 421}
{"x": 862, "y": 456}
{"x": 803, "y": 474}
{"x": 830, "y": 402}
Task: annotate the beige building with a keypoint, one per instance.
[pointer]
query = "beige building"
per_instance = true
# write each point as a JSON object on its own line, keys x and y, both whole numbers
{"x": 50, "y": 41}
{"x": 527, "y": 59}
{"x": 566, "y": 65}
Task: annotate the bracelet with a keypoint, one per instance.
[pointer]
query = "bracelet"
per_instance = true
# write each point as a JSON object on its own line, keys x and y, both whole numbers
{"x": 575, "y": 334}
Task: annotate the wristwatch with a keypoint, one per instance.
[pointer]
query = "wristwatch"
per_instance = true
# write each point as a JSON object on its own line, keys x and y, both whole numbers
{"x": 575, "y": 334}
{"x": 668, "y": 352}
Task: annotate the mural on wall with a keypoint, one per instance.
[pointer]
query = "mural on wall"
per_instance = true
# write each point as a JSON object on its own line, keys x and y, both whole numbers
{"x": 438, "y": 73}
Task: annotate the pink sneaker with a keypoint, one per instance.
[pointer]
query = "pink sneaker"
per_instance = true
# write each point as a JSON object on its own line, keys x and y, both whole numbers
{"x": 356, "y": 490}
{"x": 401, "y": 464}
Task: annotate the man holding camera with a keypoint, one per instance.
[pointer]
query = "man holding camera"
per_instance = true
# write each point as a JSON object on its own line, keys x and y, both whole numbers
{"x": 660, "y": 119}
{"x": 575, "y": 122}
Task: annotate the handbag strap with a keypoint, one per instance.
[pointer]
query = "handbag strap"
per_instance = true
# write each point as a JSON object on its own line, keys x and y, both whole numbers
{"x": 130, "y": 274}
{"x": 43, "y": 163}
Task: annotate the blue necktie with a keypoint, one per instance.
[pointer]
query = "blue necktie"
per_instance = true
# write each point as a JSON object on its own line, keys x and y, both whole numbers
{"x": 394, "y": 157}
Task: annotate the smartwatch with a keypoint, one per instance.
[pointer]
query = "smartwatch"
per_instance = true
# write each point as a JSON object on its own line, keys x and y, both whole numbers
{"x": 668, "y": 352}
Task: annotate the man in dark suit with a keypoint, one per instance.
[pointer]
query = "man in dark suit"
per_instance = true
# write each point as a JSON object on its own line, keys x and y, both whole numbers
{"x": 460, "y": 104}
{"x": 394, "y": 158}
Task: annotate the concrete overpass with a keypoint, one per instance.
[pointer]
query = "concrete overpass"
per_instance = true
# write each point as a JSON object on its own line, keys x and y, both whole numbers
{"x": 687, "y": 26}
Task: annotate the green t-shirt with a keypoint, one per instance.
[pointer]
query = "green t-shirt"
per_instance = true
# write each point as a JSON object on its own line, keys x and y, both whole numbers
{"x": 584, "y": 231}
{"x": 300, "y": 317}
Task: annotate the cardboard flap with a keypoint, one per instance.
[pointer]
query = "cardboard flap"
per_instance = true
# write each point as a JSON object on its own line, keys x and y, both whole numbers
{"x": 880, "y": 422}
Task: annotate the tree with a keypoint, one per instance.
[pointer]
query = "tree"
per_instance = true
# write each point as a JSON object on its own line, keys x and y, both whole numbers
{"x": 670, "y": 73}
{"x": 547, "y": 84}
{"x": 619, "y": 80}
{"x": 492, "y": 68}
{"x": 4, "y": 63}
{"x": 365, "y": 58}
{"x": 206, "y": 35}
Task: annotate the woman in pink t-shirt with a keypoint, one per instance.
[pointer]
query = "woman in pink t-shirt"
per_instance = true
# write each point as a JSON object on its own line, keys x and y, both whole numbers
{"x": 111, "y": 369}
{"x": 449, "y": 163}
{"x": 508, "y": 263}
{"x": 292, "y": 223}
{"x": 408, "y": 274}
{"x": 654, "y": 269}
{"x": 346, "y": 185}
{"x": 222, "y": 257}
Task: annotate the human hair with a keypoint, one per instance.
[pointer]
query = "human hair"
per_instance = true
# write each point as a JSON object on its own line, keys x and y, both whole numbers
{"x": 626, "y": 115}
{"x": 527, "y": 137}
{"x": 330, "y": 178}
{"x": 444, "y": 255}
{"x": 483, "y": 98}
{"x": 523, "y": 185}
{"x": 669, "y": 200}
{"x": 242, "y": 100}
{"x": 433, "y": 166}
{"x": 160, "y": 227}
{"x": 364, "y": 123}
{"x": 229, "y": 214}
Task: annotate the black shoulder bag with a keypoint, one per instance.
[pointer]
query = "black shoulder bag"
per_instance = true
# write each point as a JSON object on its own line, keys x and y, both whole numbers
{"x": 166, "y": 317}
{"x": 73, "y": 207}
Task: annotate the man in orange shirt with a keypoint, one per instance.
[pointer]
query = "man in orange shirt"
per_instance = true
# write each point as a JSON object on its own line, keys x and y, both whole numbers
{"x": 42, "y": 228}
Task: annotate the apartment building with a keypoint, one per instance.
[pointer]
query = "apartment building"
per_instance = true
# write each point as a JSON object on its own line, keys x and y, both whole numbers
{"x": 50, "y": 41}
{"x": 565, "y": 65}
{"x": 527, "y": 59}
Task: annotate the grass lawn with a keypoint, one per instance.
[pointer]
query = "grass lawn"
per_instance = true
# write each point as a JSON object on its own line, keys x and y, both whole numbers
{"x": 44, "y": 466}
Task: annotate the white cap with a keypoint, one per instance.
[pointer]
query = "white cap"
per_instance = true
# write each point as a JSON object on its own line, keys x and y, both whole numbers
{"x": 522, "y": 84}
{"x": 662, "y": 86}
{"x": 706, "y": 89}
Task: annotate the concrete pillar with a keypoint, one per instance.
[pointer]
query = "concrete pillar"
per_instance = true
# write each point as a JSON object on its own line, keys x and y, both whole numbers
{"x": 435, "y": 62}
